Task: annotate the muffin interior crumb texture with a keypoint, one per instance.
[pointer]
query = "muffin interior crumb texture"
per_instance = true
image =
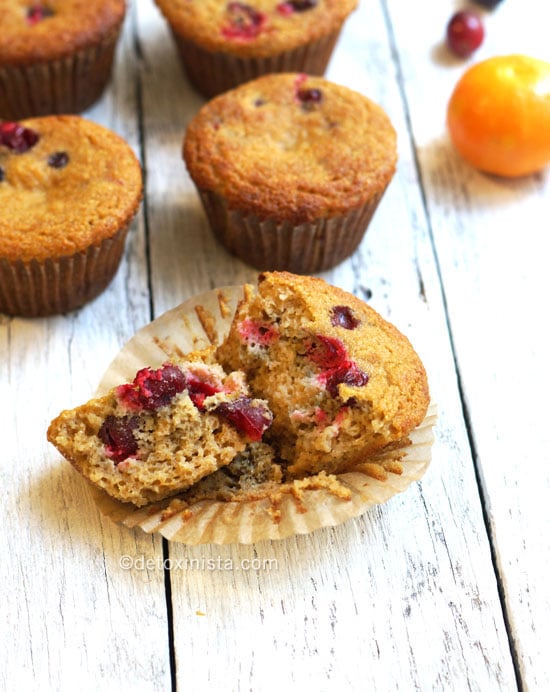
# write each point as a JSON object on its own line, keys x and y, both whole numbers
{"x": 310, "y": 382}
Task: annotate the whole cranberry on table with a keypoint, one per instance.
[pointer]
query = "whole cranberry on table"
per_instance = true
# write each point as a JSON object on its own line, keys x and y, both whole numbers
{"x": 465, "y": 33}
{"x": 488, "y": 3}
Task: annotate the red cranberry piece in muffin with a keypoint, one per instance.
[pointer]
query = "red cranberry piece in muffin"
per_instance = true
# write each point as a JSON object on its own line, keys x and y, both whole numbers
{"x": 249, "y": 417}
{"x": 244, "y": 22}
{"x": 331, "y": 356}
{"x": 347, "y": 374}
{"x": 309, "y": 98}
{"x": 326, "y": 351}
{"x": 286, "y": 8}
{"x": 59, "y": 159}
{"x": 117, "y": 434}
{"x": 152, "y": 389}
{"x": 37, "y": 13}
{"x": 257, "y": 333}
{"x": 198, "y": 389}
{"x": 17, "y": 137}
{"x": 343, "y": 316}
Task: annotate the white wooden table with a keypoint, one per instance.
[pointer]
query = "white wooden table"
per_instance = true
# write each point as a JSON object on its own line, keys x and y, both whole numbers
{"x": 443, "y": 588}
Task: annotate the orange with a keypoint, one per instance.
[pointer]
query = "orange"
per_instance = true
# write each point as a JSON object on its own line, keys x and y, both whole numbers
{"x": 498, "y": 115}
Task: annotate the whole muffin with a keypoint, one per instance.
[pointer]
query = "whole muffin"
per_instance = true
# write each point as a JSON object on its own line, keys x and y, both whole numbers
{"x": 223, "y": 44}
{"x": 343, "y": 384}
{"x": 69, "y": 189}
{"x": 290, "y": 169}
{"x": 56, "y": 55}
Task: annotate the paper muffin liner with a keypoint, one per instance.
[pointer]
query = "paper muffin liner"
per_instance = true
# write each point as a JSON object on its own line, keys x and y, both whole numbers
{"x": 269, "y": 245}
{"x": 57, "y": 285}
{"x": 212, "y": 73}
{"x": 67, "y": 85}
{"x": 196, "y": 324}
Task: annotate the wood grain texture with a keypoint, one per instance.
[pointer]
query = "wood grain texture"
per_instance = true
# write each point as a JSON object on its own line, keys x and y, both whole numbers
{"x": 71, "y": 615}
{"x": 489, "y": 236}
{"x": 442, "y": 588}
{"x": 293, "y": 626}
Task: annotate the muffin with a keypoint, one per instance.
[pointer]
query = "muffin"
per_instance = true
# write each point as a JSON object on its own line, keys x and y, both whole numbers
{"x": 342, "y": 383}
{"x": 290, "y": 169}
{"x": 69, "y": 189}
{"x": 56, "y": 55}
{"x": 162, "y": 432}
{"x": 223, "y": 44}
{"x": 307, "y": 386}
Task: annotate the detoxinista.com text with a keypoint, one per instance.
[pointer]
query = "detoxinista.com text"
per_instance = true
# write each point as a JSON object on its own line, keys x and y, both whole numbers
{"x": 206, "y": 564}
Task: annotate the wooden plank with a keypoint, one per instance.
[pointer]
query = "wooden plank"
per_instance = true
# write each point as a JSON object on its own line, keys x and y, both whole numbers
{"x": 408, "y": 590}
{"x": 490, "y": 235}
{"x": 70, "y": 611}
{"x": 404, "y": 597}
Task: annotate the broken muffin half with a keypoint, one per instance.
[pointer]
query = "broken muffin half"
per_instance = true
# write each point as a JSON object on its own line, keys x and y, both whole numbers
{"x": 308, "y": 381}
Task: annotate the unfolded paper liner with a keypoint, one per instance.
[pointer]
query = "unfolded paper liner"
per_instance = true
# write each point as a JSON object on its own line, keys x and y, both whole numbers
{"x": 196, "y": 324}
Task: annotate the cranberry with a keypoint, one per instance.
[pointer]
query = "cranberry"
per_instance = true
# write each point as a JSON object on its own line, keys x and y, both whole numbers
{"x": 342, "y": 316}
{"x": 16, "y": 137}
{"x": 326, "y": 352}
{"x": 244, "y": 21}
{"x": 152, "y": 389}
{"x": 286, "y": 8}
{"x": 309, "y": 97}
{"x": 251, "y": 418}
{"x": 36, "y": 13}
{"x": 117, "y": 435}
{"x": 330, "y": 354}
{"x": 58, "y": 160}
{"x": 488, "y": 3}
{"x": 257, "y": 333}
{"x": 198, "y": 389}
{"x": 465, "y": 33}
{"x": 347, "y": 374}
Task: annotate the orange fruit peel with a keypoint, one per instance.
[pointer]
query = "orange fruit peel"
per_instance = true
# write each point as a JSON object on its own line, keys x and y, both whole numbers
{"x": 498, "y": 116}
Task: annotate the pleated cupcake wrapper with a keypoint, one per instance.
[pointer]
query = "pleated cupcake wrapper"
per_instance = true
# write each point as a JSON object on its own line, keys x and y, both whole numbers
{"x": 197, "y": 323}
{"x": 67, "y": 85}
{"x": 268, "y": 245}
{"x": 213, "y": 73}
{"x": 32, "y": 289}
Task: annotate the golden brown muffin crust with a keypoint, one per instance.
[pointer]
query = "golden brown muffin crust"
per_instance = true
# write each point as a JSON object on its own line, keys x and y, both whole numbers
{"x": 73, "y": 24}
{"x": 272, "y": 152}
{"x": 214, "y": 26}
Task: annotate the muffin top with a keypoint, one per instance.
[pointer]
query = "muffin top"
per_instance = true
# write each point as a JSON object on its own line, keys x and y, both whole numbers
{"x": 65, "y": 183}
{"x": 257, "y": 28}
{"x": 291, "y": 147}
{"x": 33, "y": 30}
